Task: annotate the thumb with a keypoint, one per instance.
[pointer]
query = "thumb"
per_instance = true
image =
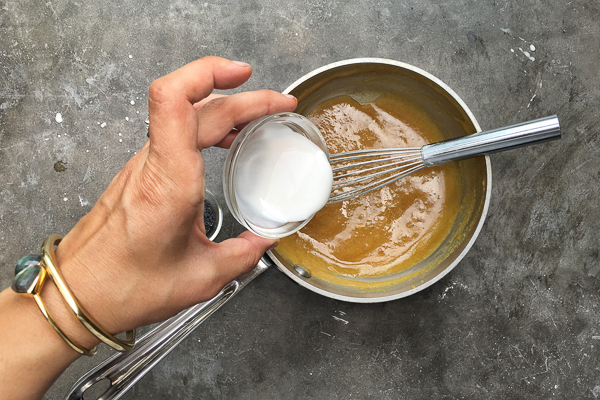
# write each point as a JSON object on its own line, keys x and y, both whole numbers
{"x": 239, "y": 255}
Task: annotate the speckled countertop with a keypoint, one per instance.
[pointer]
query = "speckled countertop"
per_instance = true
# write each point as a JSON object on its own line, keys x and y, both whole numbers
{"x": 519, "y": 316}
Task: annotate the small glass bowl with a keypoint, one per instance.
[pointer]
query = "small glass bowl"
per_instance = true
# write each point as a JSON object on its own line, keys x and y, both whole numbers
{"x": 210, "y": 201}
{"x": 296, "y": 123}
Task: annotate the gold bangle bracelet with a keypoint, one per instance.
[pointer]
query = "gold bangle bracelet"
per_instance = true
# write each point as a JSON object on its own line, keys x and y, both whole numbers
{"x": 49, "y": 318}
{"x": 49, "y": 263}
{"x": 33, "y": 290}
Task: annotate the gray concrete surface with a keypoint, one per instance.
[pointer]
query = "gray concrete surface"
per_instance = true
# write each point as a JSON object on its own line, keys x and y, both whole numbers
{"x": 517, "y": 319}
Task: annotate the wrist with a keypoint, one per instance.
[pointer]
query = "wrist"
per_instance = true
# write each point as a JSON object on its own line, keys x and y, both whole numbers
{"x": 33, "y": 355}
{"x": 64, "y": 318}
{"x": 45, "y": 287}
{"x": 90, "y": 295}
{"x": 30, "y": 290}
{"x": 27, "y": 316}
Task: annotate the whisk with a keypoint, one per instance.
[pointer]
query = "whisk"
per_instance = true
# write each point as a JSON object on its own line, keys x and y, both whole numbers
{"x": 362, "y": 171}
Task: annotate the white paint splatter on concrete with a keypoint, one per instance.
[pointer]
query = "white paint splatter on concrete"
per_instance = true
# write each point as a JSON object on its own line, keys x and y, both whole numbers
{"x": 83, "y": 201}
{"x": 340, "y": 319}
{"x": 526, "y": 53}
{"x": 532, "y": 47}
{"x": 450, "y": 287}
{"x": 59, "y": 118}
{"x": 102, "y": 125}
{"x": 445, "y": 292}
{"x": 132, "y": 102}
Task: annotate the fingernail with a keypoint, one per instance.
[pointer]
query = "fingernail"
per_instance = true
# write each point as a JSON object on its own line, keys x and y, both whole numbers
{"x": 241, "y": 63}
{"x": 289, "y": 96}
{"x": 271, "y": 247}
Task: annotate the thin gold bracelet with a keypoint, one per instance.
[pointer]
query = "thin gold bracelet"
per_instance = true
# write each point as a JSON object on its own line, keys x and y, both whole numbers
{"x": 49, "y": 263}
{"x": 34, "y": 289}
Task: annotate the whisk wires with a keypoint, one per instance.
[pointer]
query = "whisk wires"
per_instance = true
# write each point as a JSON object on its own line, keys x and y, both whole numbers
{"x": 362, "y": 171}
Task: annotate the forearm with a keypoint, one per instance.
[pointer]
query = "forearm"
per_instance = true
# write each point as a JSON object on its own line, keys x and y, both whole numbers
{"x": 32, "y": 354}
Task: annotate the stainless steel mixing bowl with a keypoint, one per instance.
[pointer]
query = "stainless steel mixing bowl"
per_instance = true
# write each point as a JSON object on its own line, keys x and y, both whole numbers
{"x": 365, "y": 79}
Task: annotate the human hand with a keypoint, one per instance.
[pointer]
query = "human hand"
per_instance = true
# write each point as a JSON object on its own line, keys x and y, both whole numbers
{"x": 141, "y": 254}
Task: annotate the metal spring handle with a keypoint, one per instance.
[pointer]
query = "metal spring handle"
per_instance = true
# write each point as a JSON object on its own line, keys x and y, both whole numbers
{"x": 123, "y": 370}
{"x": 538, "y": 130}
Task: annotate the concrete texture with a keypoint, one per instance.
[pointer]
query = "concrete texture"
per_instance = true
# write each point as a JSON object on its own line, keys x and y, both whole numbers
{"x": 517, "y": 319}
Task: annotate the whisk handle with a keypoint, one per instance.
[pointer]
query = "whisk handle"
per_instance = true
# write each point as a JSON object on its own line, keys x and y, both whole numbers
{"x": 510, "y": 137}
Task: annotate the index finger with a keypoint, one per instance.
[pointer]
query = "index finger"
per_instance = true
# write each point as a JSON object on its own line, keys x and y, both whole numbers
{"x": 196, "y": 80}
{"x": 171, "y": 98}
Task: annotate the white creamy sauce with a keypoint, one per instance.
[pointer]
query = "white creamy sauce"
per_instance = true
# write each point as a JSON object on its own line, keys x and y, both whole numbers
{"x": 281, "y": 176}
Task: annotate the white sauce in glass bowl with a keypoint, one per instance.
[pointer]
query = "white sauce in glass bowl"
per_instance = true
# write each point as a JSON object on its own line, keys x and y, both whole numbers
{"x": 281, "y": 176}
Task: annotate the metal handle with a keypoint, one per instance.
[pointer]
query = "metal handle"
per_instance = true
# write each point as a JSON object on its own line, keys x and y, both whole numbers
{"x": 123, "y": 370}
{"x": 506, "y": 138}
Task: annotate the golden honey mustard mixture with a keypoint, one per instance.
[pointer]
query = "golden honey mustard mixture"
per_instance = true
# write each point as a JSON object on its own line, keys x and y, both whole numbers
{"x": 389, "y": 230}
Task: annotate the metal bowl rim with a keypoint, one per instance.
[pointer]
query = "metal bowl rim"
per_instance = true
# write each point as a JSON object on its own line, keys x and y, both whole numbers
{"x": 461, "y": 103}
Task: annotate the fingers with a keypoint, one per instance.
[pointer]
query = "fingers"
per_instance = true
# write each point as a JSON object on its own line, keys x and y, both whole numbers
{"x": 217, "y": 117}
{"x": 226, "y": 142}
{"x": 237, "y": 256}
{"x": 172, "y": 98}
{"x": 196, "y": 80}
{"x": 205, "y": 100}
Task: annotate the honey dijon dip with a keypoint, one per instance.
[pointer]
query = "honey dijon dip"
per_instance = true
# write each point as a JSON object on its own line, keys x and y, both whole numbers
{"x": 386, "y": 231}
